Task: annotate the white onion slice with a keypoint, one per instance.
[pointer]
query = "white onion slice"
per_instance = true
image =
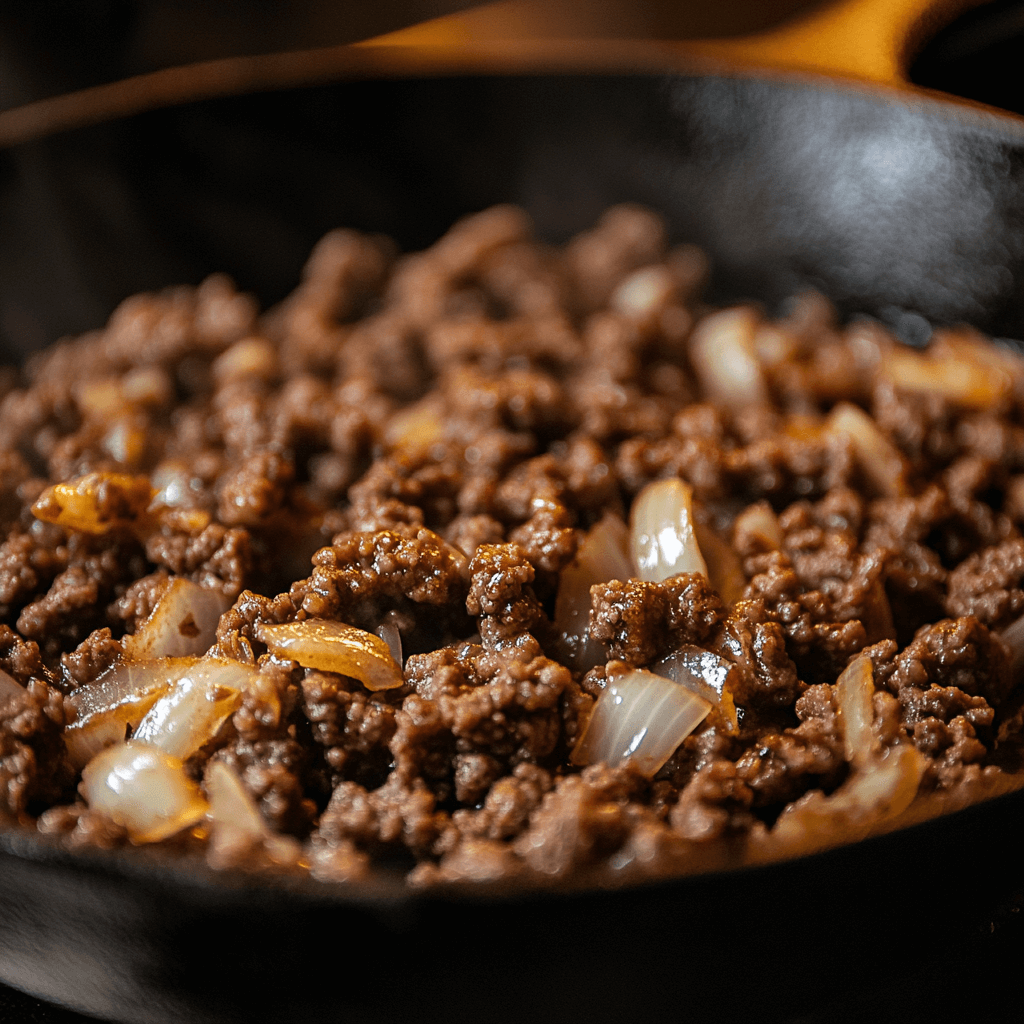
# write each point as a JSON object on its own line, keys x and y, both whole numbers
{"x": 959, "y": 377}
{"x": 103, "y": 710}
{"x": 602, "y": 556}
{"x": 661, "y": 532}
{"x": 183, "y": 623}
{"x": 392, "y": 636}
{"x": 878, "y": 458}
{"x": 144, "y": 789}
{"x": 642, "y": 718}
{"x": 704, "y": 673}
{"x": 198, "y": 704}
{"x": 854, "y": 690}
{"x": 643, "y": 294}
{"x": 723, "y": 352}
{"x": 334, "y": 647}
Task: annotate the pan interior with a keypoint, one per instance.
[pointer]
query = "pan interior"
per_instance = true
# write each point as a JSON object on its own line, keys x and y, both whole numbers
{"x": 901, "y": 209}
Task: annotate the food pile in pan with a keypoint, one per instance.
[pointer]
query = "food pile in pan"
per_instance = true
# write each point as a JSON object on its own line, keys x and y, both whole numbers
{"x": 505, "y": 561}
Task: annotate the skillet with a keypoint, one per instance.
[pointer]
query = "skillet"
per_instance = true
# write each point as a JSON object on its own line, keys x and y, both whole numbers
{"x": 893, "y": 202}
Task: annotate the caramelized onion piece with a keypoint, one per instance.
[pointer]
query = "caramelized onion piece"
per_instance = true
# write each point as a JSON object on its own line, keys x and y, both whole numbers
{"x": 183, "y": 623}
{"x": 96, "y": 502}
{"x": 642, "y": 718}
{"x": 722, "y": 350}
{"x": 334, "y": 647}
{"x": 196, "y": 706}
{"x": 969, "y": 382}
{"x": 878, "y": 458}
{"x": 706, "y": 674}
{"x": 854, "y": 690}
{"x": 643, "y": 294}
{"x": 104, "y": 710}
{"x": 602, "y": 556}
{"x": 661, "y": 532}
{"x": 144, "y": 789}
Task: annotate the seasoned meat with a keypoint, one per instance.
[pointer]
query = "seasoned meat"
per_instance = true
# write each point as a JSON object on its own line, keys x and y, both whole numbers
{"x": 368, "y": 575}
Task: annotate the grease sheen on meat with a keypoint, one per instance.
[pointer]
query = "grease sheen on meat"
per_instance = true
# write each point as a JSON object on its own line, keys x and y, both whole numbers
{"x": 423, "y": 447}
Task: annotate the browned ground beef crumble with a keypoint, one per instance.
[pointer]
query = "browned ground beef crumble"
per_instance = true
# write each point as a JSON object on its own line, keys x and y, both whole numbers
{"x": 438, "y": 432}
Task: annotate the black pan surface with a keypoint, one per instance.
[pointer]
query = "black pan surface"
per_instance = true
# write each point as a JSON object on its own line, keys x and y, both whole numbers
{"x": 895, "y": 205}
{"x": 906, "y": 208}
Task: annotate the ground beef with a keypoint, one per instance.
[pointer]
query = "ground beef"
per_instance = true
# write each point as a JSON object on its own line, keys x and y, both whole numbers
{"x": 438, "y": 455}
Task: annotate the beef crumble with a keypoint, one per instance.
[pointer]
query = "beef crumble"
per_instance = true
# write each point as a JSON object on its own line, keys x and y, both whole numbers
{"x": 437, "y": 449}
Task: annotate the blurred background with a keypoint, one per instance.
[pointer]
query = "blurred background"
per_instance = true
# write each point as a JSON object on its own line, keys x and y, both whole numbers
{"x": 52, "y": 46}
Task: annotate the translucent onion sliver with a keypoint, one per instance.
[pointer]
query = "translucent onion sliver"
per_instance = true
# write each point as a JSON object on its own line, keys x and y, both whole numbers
{"x": 144, "y": 789}
{"x": 183, "y": 623}
{"x": 704, "y": 673}
{"x": 103, "y": 710}
{"x": 391, "y": 635}
{"x": 334, "y": 647}
{"x": 602, "y": 556}
{"x": 191, "y": 712}
{"x": 854, "y": 690}
{"x": 642, "y": 718}
{"x": 661, "y": 532}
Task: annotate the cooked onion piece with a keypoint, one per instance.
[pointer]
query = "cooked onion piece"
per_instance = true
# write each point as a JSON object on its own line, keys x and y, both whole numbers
{"x": 602, "y": 556}
{"x": 390, "y": 634}
{"x": 704, "y": 673}
{"x": 854, "y": 689}
{"x": 640, "y": 717}
{"x": 863, "y": 805}
{"x": 236, "y": 825}
{"x": 970, "y": 382}
{"x": 96, "y": 502}
{"x": 759, "y": 524}
{"x": 102, "y": 711}
{"x": 183, "y": 623}
{"x": 196, "y": 706}
{"x": 722, "y": 350}
{"x": 230, "y": 803}
{"x": 144, "y": 789}
{"x": 878, "y": 458}
{"x": 725, "y": 571}
{"x": 334, "y": 647}
{"x": 643, "y": 294}
{"x": 661, "y": 532}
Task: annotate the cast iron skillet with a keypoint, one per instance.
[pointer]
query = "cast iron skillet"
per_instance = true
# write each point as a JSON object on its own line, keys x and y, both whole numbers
{"x": 898, "y": 204}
